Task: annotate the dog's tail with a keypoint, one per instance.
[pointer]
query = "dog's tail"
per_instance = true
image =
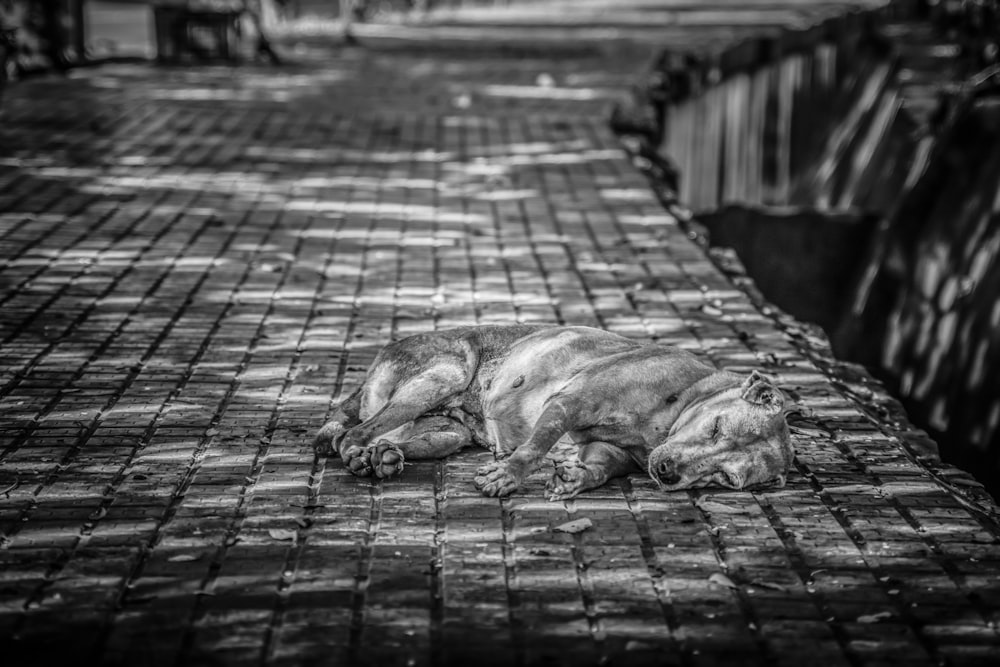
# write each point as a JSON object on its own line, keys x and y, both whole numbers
{"x": 327, "y": 440}
{"x": 345, "y": 416}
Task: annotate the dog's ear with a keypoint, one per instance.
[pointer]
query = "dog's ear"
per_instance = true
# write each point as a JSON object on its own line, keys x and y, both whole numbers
{"x": 759, "y": 390}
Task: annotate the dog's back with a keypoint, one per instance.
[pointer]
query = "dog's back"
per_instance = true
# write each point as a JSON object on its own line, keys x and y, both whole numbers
{"x": 463, "y": 352}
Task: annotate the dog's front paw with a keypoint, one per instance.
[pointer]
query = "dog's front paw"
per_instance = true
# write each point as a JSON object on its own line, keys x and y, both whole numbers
{"x": 567, "y": 481}
{"x": 496, "y": 479}
{"x": 383, "y": 459}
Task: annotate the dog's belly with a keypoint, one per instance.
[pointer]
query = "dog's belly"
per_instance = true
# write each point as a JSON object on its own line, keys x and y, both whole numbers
{"x": 537, "y": 367}
{"x": 509, "y": 419}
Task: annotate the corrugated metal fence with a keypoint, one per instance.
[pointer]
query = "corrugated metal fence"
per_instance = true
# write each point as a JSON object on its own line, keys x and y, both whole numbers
{"x": 802, "y": 129}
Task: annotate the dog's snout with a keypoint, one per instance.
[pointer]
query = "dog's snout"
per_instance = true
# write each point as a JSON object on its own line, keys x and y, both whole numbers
{"x": 667, "y": 472}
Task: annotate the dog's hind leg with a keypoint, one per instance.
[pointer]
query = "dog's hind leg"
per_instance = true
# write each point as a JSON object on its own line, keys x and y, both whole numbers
{"x": 345, "y": 416}
{"x": 433, "y": 437}
{"x": 411, "y": 400}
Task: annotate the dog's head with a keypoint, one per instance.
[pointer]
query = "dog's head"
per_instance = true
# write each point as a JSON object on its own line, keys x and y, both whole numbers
{"x": 735, "y": 437}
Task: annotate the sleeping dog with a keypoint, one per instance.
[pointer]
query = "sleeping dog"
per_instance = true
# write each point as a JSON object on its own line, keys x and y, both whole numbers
{"x": 518, "y": 390}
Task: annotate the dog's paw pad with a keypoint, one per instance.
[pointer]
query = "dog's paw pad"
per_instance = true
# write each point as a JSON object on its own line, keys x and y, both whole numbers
{"x": 358, "y": 461}
{"x": 386, "y": 459}
{"x": 383, "y": 459}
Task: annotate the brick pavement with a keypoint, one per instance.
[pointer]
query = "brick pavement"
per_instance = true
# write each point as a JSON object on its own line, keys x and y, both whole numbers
{"x": 196, "y": 263}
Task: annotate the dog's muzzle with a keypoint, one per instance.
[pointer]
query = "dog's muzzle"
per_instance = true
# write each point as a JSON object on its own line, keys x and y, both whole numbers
{"x": 664, "y": 470}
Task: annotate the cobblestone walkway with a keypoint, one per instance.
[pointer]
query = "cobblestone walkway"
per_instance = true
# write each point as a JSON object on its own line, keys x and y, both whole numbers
{"x": 196, "y": 263}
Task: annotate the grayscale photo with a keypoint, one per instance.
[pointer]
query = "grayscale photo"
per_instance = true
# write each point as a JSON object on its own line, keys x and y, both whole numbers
{"x": 500, "y": 333}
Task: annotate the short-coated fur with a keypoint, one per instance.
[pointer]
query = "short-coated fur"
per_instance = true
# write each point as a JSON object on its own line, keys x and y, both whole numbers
{"x": 518, "y": 389}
